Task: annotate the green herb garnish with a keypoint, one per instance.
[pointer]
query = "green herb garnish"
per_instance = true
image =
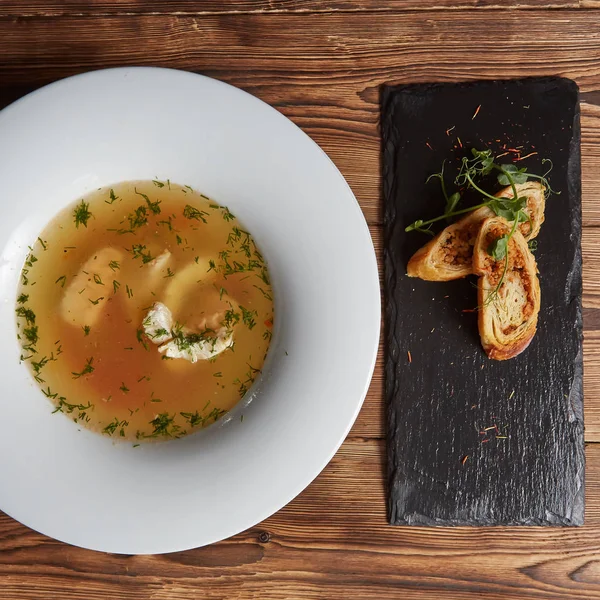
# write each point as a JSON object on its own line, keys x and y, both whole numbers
{"x": 512, "y": 209}
{"x": 481, "y": 164}
{"x": 153, "y": 206}
{"x": 248, "y": 317}
{"x": 87, "y": 369}
{"x": 31, "y": 334}
{"x": 140, "y": 338}
{"x": 190, "y": 212}
{"x": 137, "y": 250}
{"x": 114, "y": 425}
{"x": 26, "y": 313}
{"x": 65, "y": 407}
{"x": 164, "y": 425}
{"x": 193, "y": 419}
{"x": 227, "y": 214}
{"x": 112, "y": 197}
{"x": 82, "y": 214}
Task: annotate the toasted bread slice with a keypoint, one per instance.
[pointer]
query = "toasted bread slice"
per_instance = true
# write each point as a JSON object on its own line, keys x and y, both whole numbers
{"x": 449, "y": 254}
{"x": 507, "y": 315}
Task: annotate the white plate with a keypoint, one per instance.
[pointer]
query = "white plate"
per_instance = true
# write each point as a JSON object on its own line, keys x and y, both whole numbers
{"x": 139, "y": 123}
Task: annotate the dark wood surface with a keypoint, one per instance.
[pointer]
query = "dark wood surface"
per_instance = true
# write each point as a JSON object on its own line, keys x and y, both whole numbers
{"x": 321, "y": 64}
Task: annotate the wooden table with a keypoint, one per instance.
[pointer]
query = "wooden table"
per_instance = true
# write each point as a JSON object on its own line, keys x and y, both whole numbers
{"x": 321, "y": 64}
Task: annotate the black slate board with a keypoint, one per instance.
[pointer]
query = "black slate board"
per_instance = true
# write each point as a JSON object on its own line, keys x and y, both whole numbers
{"x": 440, "y": 398}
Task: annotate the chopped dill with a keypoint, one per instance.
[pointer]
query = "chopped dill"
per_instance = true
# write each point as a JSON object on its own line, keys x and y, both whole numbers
{"x": 248, "y": 317}
{"x": 192, "y": 418}
{"x": 114, "y": 265}
{"x": 231, "y": 318}
{"x": 62, "y": 280}
{"x": 48, "y": 393}
{"x": 137, "y": 250}
{"x": 65, "y": 407}
{"x": 96, "y": 301}
{"x": 140, "y": 338}
{"x": 167, "y": 223}
{"x": 114, "y": 425}
{"x": 82, "y": 214}
{"x": 22, "y": 298}
{"x": 98, "y": 279}
{"x": 265, "y": 294}
{"x": 227, "y": 214}
{"x": 124, "y": 388}
{"x": 111, "y": 197}
{"x": 264, "y": 276}
{"x": 137, "y": 218}
{"x": 116, "y": 285}
{"x": 31, "y": 334}
{"x": 26, "y": 313}
{"x": 129, "y": 291}
{"x": 190, "y": 212}
{"x": 164, "y": 425}
{"x": 87, "y": 369}
{"x": 169, "y": 273}
{"x": 86, "y": 330}
{"x": 153, "y": 206}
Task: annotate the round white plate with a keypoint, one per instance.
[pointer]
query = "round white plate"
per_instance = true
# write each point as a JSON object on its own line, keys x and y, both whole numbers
{"x": 99, "y": 128}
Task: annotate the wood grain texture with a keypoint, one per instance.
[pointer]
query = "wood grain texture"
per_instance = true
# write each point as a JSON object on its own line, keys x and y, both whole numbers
{"x": 195, "y": 7}
{"x": 324, "y": 71}
{"x": 331, "y": 542}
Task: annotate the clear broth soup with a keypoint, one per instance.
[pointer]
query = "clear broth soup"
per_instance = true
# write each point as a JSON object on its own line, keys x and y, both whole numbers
{"x": 145, "y": 311}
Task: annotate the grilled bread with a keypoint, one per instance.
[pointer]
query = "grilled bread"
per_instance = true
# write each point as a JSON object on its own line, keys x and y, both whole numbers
{"x": 508, "y": 314}
{"x": 449, "y": 254}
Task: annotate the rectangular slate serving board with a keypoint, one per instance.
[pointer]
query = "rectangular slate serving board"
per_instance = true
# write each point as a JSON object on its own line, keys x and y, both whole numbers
{"x": 441, "y": 389}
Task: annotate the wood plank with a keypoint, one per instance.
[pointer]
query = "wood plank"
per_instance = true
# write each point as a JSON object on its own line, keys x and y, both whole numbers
{"x": 193, "y": 7}
{"x": 324, "y": 72}
{"x": 331, "y": 542}
{"x": 370, "y": 422}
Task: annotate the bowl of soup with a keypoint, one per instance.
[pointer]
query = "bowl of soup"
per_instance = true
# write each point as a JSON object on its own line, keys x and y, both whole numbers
{"x": 190, "y": 303}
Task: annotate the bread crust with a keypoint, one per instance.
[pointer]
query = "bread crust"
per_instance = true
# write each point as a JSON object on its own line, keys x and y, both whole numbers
{"x": 508, "y": 322}
{"x": 448, "y": 255}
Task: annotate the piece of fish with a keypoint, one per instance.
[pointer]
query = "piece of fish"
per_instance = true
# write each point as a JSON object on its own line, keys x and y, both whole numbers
{"x": 182, "y": 342}
{"x": 158, "y": 323}
{"x": 183, "y": 347}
